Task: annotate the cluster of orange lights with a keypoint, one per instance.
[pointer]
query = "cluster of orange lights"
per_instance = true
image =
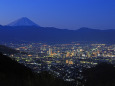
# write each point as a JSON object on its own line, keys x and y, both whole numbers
{"x": 69, "y": 62}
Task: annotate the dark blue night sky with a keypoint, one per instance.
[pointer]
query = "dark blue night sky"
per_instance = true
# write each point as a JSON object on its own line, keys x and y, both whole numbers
{"x": 65, "y": 14}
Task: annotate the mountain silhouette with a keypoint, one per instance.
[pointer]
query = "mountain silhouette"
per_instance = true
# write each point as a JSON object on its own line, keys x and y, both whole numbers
{"x": 25, "y": 30}
{"x": 24, "y": 21}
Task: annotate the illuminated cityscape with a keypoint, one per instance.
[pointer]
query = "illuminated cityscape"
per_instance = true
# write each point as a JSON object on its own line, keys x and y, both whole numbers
{"x": 65, "y": 61}
{"x": 57, "y": 43}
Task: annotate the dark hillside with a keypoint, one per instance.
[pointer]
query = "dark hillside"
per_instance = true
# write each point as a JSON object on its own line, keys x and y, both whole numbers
{"x": 101, "y": 75}
{"x": 7, "y": 50}
{"x": 15, "y": 74}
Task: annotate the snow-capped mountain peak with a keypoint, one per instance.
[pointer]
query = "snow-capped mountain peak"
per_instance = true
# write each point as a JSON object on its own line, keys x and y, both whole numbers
{"x": 24, "y": 21}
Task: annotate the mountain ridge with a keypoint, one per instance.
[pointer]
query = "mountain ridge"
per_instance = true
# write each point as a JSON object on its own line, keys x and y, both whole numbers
{"x": 55, "y": 35}
{"x": 49, "y": 34}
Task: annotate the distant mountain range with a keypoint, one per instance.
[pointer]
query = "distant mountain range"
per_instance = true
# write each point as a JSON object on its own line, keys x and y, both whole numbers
{"x": 25, "y": 30}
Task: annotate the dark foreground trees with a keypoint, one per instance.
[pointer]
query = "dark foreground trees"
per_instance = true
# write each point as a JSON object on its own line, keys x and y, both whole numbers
{"x": 101, "y": 75}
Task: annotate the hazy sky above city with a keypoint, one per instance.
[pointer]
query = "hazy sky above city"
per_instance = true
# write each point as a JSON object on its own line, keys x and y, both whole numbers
{"x": 65, "y": 14}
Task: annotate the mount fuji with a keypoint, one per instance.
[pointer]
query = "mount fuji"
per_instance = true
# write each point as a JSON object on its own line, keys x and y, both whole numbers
{"x": 24, "y": 21}
{"x": 25, "y": 30}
